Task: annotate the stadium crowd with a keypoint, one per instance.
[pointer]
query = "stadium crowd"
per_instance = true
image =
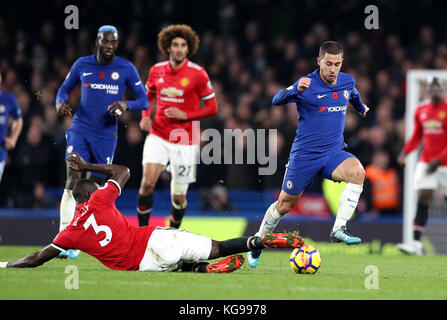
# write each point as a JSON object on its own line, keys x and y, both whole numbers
{"x": 250, "y": 49}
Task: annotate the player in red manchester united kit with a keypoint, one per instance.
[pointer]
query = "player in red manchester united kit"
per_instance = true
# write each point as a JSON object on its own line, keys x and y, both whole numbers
{"x": 180, "y": 86}
{"x": 430, "y": 126}
{"x": 99, "y": 229}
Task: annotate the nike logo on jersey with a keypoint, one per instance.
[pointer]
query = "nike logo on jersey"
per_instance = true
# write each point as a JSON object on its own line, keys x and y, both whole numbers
{"x": 321, "y": 96}
{"x": 138, "y": 83}
{"x": 84, "y": 74}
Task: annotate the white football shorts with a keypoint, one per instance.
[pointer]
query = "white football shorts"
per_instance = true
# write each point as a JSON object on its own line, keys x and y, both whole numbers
{"x": 179, "y": 159}
{"x": 168, "y": 247}
{"x": 425, "y": 181}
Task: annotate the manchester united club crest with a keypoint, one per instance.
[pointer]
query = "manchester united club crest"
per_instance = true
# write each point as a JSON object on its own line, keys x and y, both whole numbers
{"x": 184, "y": 82}
{"x": 442, "y": 115}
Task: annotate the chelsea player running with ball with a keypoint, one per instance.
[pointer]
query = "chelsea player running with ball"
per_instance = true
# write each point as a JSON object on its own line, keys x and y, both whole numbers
{"x": 104, "y": 79}
{"x": 321, "y": 98}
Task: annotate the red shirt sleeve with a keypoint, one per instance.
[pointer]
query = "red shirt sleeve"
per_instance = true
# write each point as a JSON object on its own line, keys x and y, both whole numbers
{"x": 151, "y": 92}
{"x": 63, "y": 240}
{"x": 415, "y": 139}
{"x": 106, "y": 195}
{"x": 204, "y": 87}
{"x": 206, "y": 93}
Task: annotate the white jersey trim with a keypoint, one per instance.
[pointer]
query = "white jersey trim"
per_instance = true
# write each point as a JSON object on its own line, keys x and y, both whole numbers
{"x": 58, "y": 248}
{"x": 116, "y": 184}
{"x": 211, "y": 95}
{"x": 163, "y": 63}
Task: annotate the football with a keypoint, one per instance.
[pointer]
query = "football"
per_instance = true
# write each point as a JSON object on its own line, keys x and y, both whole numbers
{"x": 305, "y": 260}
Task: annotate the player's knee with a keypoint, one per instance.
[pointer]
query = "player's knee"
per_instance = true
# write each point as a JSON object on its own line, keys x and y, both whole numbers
{"x": 147, "y": 186}
{"x": 357, "y": 175}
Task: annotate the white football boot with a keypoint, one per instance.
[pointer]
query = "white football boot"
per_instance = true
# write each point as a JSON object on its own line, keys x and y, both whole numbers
{"x": 413, "y": 248}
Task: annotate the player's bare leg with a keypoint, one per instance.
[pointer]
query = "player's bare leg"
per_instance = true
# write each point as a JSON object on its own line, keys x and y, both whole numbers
{"x": 271, "y": 219}
{"x": 151, "y": 173}
{"x": 351, "y": 171}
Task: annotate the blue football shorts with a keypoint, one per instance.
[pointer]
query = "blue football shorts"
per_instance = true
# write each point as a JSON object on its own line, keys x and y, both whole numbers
{"x": 93, "y": 148}
{"x": 301, "y": 172}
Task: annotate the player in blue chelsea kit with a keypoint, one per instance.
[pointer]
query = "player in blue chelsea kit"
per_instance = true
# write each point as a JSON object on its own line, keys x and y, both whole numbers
{"x": 9, "y": 108}
{"x": 321, "y": 98}
{"x": 104, "y": 79}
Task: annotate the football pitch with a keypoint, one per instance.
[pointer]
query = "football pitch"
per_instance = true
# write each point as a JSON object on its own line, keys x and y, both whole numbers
{"x": 348, "y": 273}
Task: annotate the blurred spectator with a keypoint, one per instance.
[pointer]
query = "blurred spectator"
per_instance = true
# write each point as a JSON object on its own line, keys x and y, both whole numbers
{"x": 33, "y": 158}
{"x": 131, "y": 155}
{"x": 38, "y": 198}
{"x": 382, "y": 186}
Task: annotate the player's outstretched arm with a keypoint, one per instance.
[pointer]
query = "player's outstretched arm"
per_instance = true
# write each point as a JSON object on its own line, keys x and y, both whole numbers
{"x": 114, "y": 171}
{"x": 291, "y": 93}
{"x": 34, "y": 259}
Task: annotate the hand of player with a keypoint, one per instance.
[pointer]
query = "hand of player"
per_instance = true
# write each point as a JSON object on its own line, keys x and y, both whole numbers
{"x": 176, "y": 113}
{"x": 117, "y": 108}
{"x": 146, "y": 124}
{"x": 10, "y": 143}
{"x": 303, "y": 84}
{"x": 363, "y": 114}
{"x": 401, "y": 158}
{"x": 433, "y": 165}
{"x": 63, "y": 109}
{"x": 76, "y": 162}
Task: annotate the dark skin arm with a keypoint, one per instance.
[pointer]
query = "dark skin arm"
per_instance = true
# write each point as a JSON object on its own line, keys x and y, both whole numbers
{"x": 35, "y": 259}
{"x": 115, "y": 172}
{"x": 117, "y": 108}
{"x": 63, "y": 109}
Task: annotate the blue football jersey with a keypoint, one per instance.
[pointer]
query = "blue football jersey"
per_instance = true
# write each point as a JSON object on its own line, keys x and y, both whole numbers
{"x": 321, "y": 114}
{"x": 8, "y": 108}
{"x": 101, "y": 85}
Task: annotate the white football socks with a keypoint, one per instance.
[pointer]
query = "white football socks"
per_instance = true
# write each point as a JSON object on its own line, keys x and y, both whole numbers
{"x": 270, "y": 221}
{"x": 67, "y": 209}
{"x": 348, "y": 203}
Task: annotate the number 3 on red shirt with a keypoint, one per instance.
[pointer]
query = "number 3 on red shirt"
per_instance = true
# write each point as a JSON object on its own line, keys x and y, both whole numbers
{"x": 92, "y": 222}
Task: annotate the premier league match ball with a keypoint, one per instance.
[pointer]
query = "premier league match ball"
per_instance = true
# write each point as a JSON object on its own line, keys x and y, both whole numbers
{"x": 305, "y": 260}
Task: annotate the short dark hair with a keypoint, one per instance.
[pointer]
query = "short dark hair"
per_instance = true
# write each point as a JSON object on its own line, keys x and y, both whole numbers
{"x": 83, "y": 185}
{"x": 331, "y": 47}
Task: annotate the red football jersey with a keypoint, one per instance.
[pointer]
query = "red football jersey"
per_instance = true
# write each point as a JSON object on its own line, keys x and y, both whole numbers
{"x": 99, "y": 229}
{"x": 430, "y": 124}
{"x": 182, "y": 88}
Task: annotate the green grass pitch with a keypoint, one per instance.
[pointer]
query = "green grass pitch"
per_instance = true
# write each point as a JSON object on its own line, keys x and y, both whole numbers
{"x": 341, "y": 276}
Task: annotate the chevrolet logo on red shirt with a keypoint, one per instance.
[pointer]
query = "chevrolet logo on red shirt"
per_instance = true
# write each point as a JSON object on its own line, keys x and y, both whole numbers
{"x": 171, "y": 92}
